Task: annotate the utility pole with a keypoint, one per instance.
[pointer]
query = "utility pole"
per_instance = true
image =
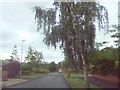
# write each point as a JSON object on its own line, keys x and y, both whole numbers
{"x": 21, "y": 59}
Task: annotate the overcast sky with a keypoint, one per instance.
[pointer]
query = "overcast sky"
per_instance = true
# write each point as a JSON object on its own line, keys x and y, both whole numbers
{"x": 17, "y": 23}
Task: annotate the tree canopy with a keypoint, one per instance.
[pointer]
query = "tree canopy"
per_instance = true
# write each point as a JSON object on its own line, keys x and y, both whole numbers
{"x": 75, "y": 28}
{"x": 52, "y": 67}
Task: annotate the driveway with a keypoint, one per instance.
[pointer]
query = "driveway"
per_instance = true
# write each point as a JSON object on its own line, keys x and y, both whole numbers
{"x": 53, "y": 80}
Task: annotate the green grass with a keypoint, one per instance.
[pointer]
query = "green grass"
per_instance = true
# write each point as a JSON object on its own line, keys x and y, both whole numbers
{"x": 76, "y": 82}
{"x": 31, "y": 76}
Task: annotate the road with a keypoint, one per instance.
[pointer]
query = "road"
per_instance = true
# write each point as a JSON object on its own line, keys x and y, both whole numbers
{"x": 53, "y": 80}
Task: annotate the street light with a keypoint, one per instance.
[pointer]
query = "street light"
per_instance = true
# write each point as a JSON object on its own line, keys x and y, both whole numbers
{"x": 21, "y": 58}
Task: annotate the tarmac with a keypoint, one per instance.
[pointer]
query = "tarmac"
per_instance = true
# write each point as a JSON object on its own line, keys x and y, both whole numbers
{"x": 53, "y": 80}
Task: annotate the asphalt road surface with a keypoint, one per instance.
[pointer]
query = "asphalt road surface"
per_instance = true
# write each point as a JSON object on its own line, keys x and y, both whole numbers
{"x": 53, "y": 80}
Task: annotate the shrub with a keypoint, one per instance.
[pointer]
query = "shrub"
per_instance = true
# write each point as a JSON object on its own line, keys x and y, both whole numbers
{"x": 13, "y": 68}
{"x": 105, "y": 66}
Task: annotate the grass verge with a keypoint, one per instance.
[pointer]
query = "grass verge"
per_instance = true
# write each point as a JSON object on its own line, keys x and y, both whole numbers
{"x": 31, "y": 76}
{"x": 75, "y": 81}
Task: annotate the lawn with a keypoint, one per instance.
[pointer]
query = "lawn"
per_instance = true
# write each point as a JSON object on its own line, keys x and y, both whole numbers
{"x": 75, "y": 81}
{"x": 32, "y": 76}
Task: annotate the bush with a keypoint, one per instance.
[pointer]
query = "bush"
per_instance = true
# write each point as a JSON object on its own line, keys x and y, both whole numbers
{"x": 105, "y": 60}
{"x": 26, "y": 68}
{"x": 105, "y": 66}
{"x": 12, "y": 68}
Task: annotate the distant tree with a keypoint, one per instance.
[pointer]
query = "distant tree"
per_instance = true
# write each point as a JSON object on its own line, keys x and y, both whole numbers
{"x": 34, "y": 58}
{"x": 6, "y": 61}
{"x": 45, "y": 66}
{"x": 29, "y": 57}
{"x": 38, "y": 61}
{"x": 67, "y": 64}
{"x": 59, "y": 65}
{"x": 14, "y": 56}
{"x": 52, "y": 67}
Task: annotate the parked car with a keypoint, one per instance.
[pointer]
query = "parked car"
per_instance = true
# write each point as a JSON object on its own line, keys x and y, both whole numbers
{"x": 60, "y": 71}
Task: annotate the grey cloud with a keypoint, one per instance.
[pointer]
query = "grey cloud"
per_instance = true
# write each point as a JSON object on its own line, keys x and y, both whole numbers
{"x": 8, "y": 35}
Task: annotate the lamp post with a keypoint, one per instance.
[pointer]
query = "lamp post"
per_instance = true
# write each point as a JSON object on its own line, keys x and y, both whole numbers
{"x": 21, "y": 58}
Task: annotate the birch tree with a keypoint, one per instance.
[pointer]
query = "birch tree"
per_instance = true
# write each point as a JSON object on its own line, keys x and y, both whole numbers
{"x": 74, "y": 31}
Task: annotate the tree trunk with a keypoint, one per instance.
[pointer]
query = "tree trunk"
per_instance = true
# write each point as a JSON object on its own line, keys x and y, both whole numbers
{"x": 84, "y": 57}
{"x": 86, "y": 78}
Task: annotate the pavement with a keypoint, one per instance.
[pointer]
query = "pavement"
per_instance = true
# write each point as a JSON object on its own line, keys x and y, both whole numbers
{"x": 114, "y": 79}
{"x": 53, "y": 80}
{"x": 12, "y": 81}
{"x": 102, "y": 83}
{"x": 0, "y": 84}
